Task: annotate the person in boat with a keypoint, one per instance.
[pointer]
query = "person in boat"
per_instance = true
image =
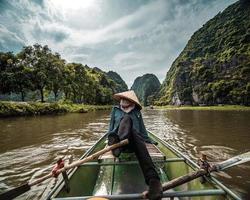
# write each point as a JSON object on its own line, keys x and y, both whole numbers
{"x": 126, "y": 123}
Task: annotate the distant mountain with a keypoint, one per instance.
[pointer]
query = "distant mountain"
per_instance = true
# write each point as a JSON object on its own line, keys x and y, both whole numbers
{"x": 146, "y": 87}
{"x": 214, "y": 67}
{"x": 121, "y": 86}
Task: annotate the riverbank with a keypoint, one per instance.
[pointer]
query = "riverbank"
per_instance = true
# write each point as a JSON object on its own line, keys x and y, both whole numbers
{"x": 11, "y": 109}
{"x": 215, "y": 108}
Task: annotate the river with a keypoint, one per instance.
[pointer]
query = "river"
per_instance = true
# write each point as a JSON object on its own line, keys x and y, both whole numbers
{"x": 29, "y": 145}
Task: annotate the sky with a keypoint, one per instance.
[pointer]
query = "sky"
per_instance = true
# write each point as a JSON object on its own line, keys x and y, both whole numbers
{"x": 130, "y": 37}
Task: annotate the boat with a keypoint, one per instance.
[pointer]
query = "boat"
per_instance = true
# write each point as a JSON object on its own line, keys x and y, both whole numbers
{"x": 113, "y": 178}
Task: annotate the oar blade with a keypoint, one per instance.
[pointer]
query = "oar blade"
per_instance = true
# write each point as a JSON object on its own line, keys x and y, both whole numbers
{"x": 11, "y": 194}
{"x": 237, "y": 160}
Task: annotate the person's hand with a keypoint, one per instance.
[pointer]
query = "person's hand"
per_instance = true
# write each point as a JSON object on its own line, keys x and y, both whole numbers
{"x": 59, "y": 165}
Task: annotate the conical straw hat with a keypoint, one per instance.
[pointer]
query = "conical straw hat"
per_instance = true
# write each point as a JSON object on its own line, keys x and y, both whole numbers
{"x": 129, "y": 95}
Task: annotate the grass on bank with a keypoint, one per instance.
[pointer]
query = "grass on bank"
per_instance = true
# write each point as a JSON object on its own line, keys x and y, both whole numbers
{"x": 215, "y": 108}
{"x": 8, "y": 109}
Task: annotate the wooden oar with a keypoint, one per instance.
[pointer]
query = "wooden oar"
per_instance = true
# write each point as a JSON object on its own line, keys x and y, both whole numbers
{"x": 245, "y": 157}
{"x": 26, "y": 187}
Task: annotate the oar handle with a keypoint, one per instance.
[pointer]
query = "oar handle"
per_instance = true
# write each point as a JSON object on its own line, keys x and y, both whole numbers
{"x": 10, "y": 194}
{"x": 95, "y": 155}
{"x": 80, "y": 162}
{"x": 239, "y": 159}
{"x": 184, "y": 179}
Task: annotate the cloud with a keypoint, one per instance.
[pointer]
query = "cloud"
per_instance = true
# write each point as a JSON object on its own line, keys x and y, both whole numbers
{"x": 130, "y": 37}
{"x": 133, "y": 24}
{"x": 9, "y": 40}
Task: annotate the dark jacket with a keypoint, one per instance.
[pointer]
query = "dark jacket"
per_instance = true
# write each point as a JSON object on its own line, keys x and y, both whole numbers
{"x": 117, "y": 114}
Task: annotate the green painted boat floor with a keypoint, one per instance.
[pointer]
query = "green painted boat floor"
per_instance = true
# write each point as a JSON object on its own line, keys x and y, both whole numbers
{"x": 120, "y": 179}
{"x": 104, "y": 181}
{"x": 128, "y": 179}
{"x": 81, "y": 183}
{"x": 123, "y": 179}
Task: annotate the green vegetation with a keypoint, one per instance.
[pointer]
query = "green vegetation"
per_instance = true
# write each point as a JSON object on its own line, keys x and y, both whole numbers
{"x": 146, "y": 87}
{"x": 9, "y": 109}
{"x": 215, "y": 108}
{"x": 38, "y": 73}
{"x": 214, "y": 67}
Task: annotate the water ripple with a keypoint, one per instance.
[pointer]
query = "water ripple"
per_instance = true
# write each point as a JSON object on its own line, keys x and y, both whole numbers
{"x": 38, "y": 147}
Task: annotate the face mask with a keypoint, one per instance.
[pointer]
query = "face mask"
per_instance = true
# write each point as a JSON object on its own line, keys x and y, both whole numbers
{"x": 126, "y": 105}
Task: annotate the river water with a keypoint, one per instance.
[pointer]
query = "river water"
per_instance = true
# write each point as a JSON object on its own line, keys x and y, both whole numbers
{"x": 29, "y": 145}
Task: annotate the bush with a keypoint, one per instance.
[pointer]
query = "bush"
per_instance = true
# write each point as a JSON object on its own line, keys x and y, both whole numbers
{"x": 8, "y": 109}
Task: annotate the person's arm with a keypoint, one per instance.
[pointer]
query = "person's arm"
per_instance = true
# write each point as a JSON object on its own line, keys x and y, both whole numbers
{"x": 112, "y": 120}
{"x": 142, "y": 126}
{"x": 145, "y": 132}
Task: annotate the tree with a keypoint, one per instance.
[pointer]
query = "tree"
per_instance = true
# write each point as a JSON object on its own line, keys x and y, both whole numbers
{"x": 6, "y": 76}
{"x": 55, "y": 74}
{"x": 68, "y": 74}
{"x": 76, "y": 83}
{"x": 37, "y": 68}
{"x": 21, "y": 79}
{"x": 38, "y": 59}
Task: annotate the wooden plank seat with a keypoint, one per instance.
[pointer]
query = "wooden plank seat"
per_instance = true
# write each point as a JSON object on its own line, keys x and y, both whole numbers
{"x": 154, "y": 152}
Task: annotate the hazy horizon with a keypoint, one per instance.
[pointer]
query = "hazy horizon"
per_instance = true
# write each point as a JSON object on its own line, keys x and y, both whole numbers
{"x": 131, "y": 37}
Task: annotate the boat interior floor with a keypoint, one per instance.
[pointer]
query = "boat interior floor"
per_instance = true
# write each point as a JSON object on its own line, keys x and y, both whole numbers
{"x": 125, "y": 176}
